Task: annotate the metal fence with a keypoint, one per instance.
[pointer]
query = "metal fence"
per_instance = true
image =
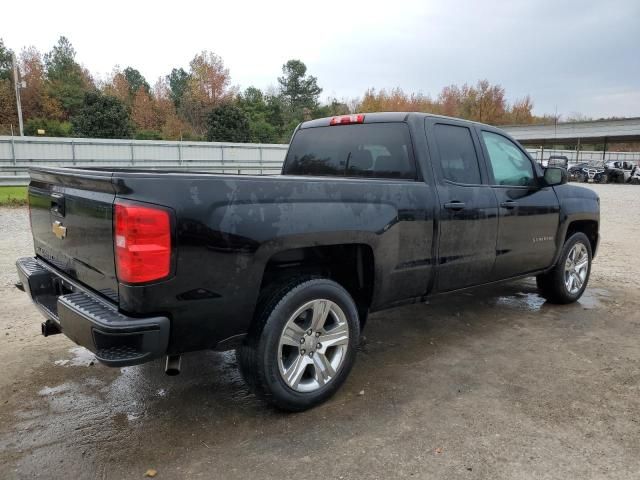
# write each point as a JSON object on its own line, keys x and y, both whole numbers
{"x": 17, "y": 154}
{"x": 591, "y": 156}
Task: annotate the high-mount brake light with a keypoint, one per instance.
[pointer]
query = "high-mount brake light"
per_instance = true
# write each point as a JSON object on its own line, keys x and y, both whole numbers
{"x": 347, "y": 119}
{"x": 142, "y": 238}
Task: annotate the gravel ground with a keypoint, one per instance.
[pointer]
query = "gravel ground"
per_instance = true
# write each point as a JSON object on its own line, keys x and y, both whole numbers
{"x": 489, "y": 384}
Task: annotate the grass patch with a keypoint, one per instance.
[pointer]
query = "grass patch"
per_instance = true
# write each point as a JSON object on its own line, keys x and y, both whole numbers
{"x": 13, "y": 196}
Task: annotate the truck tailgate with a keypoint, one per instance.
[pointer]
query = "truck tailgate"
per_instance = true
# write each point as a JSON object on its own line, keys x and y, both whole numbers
{"x": 72, "y": 225}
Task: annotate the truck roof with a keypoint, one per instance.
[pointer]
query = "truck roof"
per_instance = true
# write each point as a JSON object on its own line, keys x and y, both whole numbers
{"x": 385, "y": 117}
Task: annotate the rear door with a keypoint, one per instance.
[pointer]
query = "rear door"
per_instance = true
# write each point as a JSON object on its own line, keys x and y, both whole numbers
{"x": 72, "y": 225}
{"x": 529, "y": 213}
{"x": 468, "y": 210}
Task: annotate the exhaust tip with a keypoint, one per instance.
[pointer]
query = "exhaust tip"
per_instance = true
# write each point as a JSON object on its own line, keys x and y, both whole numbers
{"x": 49, "y": 328}
{"x": 172, "y": 367}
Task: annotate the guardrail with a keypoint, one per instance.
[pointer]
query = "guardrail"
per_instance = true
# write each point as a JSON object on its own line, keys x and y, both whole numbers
{"x": 18, "y": 154}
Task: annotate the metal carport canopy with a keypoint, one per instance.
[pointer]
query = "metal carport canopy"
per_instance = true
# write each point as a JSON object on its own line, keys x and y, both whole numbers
{"x": 622, "y": 130}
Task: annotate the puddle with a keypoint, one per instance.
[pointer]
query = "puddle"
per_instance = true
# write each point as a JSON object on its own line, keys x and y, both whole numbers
{"x": 591, "y": 298}
{"x": 533, "y": 302}
{"x": 81, "y": 357}
{"x": 49, "y": 391}
{"x": 523, "y": 301}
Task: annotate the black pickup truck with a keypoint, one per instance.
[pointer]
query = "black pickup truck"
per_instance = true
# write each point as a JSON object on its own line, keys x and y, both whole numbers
{"x": 370, "y": 212}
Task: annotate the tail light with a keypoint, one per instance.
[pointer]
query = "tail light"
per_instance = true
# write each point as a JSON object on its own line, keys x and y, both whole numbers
{"x": 347, "y": 119}
{"x": 142, "y": 243}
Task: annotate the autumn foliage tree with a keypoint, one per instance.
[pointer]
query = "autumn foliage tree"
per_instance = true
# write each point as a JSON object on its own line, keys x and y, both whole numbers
{"x": 173, "y": 127}
{"x": 144, "y": 112}
{"x": 36, "y": 101}
{"x": 8, "y": 113}
{"x": 483, "y": 102}
{"x": 207, "y": 87}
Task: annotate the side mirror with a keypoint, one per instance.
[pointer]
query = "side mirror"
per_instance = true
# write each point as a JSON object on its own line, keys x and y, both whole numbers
{"x": 555, "y": 176}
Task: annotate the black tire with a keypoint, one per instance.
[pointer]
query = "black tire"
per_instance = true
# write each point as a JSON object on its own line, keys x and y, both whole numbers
{"x": 258, "y": 356}
{"x": 552, "y": 284}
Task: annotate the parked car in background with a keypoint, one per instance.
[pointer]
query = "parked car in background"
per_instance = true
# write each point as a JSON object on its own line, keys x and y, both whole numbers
{"x": 619, "y": 171}
{"x": 559, "y": 161}
{"x": 595, "y": 174}
{"x": 576, "y": 172}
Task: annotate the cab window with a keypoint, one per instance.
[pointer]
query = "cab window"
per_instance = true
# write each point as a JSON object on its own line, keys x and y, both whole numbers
{"x": 509, "y": 165}
{"x": 458, "y": 158}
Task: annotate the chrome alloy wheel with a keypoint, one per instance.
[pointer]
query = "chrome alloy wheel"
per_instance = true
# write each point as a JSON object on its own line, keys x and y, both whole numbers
{"x": 576, "y": 268}
{"x": 313, "y": 345}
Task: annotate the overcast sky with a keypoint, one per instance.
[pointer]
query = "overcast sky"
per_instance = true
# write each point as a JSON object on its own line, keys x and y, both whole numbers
{"x": 581, "y": 56}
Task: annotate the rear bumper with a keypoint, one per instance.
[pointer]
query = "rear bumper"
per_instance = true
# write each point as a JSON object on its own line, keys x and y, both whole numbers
{"x": 90, "y": 320}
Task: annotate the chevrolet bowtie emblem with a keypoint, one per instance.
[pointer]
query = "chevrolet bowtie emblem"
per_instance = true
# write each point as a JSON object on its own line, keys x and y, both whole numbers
{"x": 58, "y": 230}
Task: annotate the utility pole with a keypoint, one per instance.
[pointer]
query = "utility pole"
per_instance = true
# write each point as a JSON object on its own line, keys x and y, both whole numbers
{"x": 17, "y": 83}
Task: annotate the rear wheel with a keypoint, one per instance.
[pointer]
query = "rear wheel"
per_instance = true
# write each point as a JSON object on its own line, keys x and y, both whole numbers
{"x": 302, "y": 344}
{"x": 566, "y": 282}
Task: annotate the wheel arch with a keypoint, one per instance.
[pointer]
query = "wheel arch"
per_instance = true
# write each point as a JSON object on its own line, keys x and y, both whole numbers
{"x": 352, "y": 265}
{"x": 587, "y": 226}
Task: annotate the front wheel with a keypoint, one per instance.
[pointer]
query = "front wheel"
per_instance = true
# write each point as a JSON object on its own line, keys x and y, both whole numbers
{"x": 566, "y": 282}
{"x": 302, "y": 345}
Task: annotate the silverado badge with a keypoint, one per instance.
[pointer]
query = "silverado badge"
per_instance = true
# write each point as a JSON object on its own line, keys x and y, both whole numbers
{"x": 58, "y": 230}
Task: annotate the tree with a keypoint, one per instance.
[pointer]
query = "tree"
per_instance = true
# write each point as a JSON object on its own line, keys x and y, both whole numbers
{"x": 67, "y": 81}
{"x": 207, "y": 88}
{"x": 8, "y": 112}
{"x": 36, "y": 101}
{"x": 396, "y": 100}
{"x": 227, "y": 123}
{"x": 172, "y": 126}
{"x": 136, "y": 81}
{"x": 6, "y": 63}
{"x": 118, "y": 86}
{"x": 101, "y": 116}
{"x": 299, "y": 90}
{"x": 178, "y": 81}
{"x": 254, "y": 104}
{"x": 143, "y": 112}
{"x": 521, "y": 111}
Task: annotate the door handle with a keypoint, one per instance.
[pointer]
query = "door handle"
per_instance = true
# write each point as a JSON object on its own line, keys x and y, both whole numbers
{"x": 454, "y": 205}
{"x": 509, "y": 204}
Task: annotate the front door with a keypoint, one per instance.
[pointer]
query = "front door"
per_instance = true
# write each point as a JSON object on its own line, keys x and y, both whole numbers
{"x": 468, "y": 209}
{"x": 529, "y": 211}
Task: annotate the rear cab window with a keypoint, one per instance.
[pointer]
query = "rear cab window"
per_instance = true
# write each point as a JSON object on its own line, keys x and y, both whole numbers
{"x": 373, "y": 150}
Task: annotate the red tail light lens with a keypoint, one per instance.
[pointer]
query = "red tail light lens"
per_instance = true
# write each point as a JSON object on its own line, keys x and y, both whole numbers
{"x": 347, "y": 119}
{"x": 142, "y": 243}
